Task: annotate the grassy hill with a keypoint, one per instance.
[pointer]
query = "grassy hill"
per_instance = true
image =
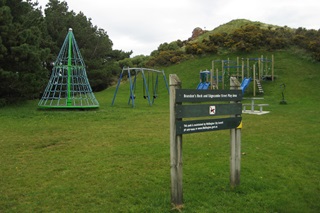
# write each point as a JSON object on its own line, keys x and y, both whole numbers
{"x": 231, "y": 26}
{"x": 117, "y": 159}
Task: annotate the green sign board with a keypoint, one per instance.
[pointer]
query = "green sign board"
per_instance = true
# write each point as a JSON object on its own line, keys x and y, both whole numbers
{"x": 193, "y": 126}
{"x": 214, "y": 107}
{"x": 192, "y": 95}
{"x": 189, "y": 111}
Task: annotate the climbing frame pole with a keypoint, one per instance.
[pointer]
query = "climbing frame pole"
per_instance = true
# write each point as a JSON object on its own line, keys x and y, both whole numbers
{"x": 69, "y": 68}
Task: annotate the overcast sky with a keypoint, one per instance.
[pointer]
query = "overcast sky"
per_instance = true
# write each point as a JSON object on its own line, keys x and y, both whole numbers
{"x": 142, "y": 25}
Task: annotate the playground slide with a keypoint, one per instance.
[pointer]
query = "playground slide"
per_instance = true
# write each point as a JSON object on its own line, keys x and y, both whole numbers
{"x": 245, "y": 83}
{"x": 203, "y": 86}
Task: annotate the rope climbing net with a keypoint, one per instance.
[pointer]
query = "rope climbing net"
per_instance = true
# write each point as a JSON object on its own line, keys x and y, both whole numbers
{"x": 68, "y": 85}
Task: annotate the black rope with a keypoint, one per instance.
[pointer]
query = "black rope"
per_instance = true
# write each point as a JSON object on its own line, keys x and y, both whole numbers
{"x": 155, "y": 88}
{"x": 144, "y": 89}
{"x": 134, "y": 86}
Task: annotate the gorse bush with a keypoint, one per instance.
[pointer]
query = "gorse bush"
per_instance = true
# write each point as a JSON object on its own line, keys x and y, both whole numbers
{"x": 166, "y": 58}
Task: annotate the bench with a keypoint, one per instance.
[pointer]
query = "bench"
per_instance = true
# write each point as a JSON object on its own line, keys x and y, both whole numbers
{"x": 245, "y": 105}
{"x": 259, "y": 105}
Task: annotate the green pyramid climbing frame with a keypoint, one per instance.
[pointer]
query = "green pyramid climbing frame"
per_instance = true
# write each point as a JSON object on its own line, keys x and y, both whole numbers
{"x": 68, "y": 86}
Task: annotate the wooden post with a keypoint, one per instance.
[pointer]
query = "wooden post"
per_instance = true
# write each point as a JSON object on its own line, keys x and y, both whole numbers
{"x": 248, "y": 68}
{"x": 272, "y": 68}
{"x": 175, "y": 146}
{"x": 266, "y": 73}
{"x": 217, "y": 79}
{"x": 254, "y": 80}
{"x": 235, "y": 145}
{"x": 211, "y": 75}
{"x": 242, "y": 69}
{"x": 237, "y": 67}
{"x": 260, "y": 67}
{"x": 228, "y": 66}
{"x": 222, "y": 73}
{"x": 212, "y": 63}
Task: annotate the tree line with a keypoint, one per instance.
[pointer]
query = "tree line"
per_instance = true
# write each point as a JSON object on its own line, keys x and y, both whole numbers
{"x": 30, "y": 42}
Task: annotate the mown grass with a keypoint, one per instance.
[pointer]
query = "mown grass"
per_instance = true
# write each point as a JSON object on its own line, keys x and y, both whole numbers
{"x": 116, "y": 159}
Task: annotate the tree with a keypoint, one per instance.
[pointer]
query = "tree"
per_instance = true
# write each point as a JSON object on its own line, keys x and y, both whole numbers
{"x": 94, "y": 43}
{"x": 21, "y": 56}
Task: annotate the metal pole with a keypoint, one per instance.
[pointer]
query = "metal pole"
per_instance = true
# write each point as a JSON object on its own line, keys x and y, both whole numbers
{"x": 115, "y": 92}
{"x": 69, "y": 68}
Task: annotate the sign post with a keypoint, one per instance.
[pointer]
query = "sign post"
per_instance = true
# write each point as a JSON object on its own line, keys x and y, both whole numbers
{"x": 229, "y": 114}
{"x": 235, "y": 144}
{"x": 175, "y": 146}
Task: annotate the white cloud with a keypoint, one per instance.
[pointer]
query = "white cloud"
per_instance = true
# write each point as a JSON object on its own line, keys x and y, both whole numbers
{"x": 142, "y": 25}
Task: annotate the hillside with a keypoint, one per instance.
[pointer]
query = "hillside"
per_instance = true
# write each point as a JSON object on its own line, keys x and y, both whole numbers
{"x": 231, "y": 26}
{"x": 236, "y": 36}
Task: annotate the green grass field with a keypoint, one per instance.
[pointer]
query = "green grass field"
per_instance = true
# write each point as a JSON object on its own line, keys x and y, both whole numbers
{"x": 117, "y": 159}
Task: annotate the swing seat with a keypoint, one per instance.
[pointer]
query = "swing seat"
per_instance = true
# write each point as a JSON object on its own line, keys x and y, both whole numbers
{"x": 134, "y": 97}
{"x": 145, "y": 96}
{"x": 155, "y": 96}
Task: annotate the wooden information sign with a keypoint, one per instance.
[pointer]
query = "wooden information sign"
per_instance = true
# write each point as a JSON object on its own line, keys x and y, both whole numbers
{"x": 222, "y": 109}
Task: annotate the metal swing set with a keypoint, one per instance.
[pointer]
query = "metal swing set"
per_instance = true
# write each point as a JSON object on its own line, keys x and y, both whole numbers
{"x": 145, "y": 73}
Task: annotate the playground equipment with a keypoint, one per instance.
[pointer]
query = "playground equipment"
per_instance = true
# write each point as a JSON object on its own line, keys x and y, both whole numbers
{"x": 256, "y": 69}
{"x": 206, "y": 80}
{"x": 68, "y": 85}
{"x": 245, "y": 83}
{"x": 145, "y": 73}
{"x": 205, "y": 83}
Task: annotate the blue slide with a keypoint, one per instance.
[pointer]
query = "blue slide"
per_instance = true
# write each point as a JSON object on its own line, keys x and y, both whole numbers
{"x": 245, "y": 83}
{"x": 203, "y": 86}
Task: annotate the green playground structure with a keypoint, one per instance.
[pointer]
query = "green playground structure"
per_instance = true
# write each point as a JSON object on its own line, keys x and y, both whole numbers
{"x": 68, "y": 85}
